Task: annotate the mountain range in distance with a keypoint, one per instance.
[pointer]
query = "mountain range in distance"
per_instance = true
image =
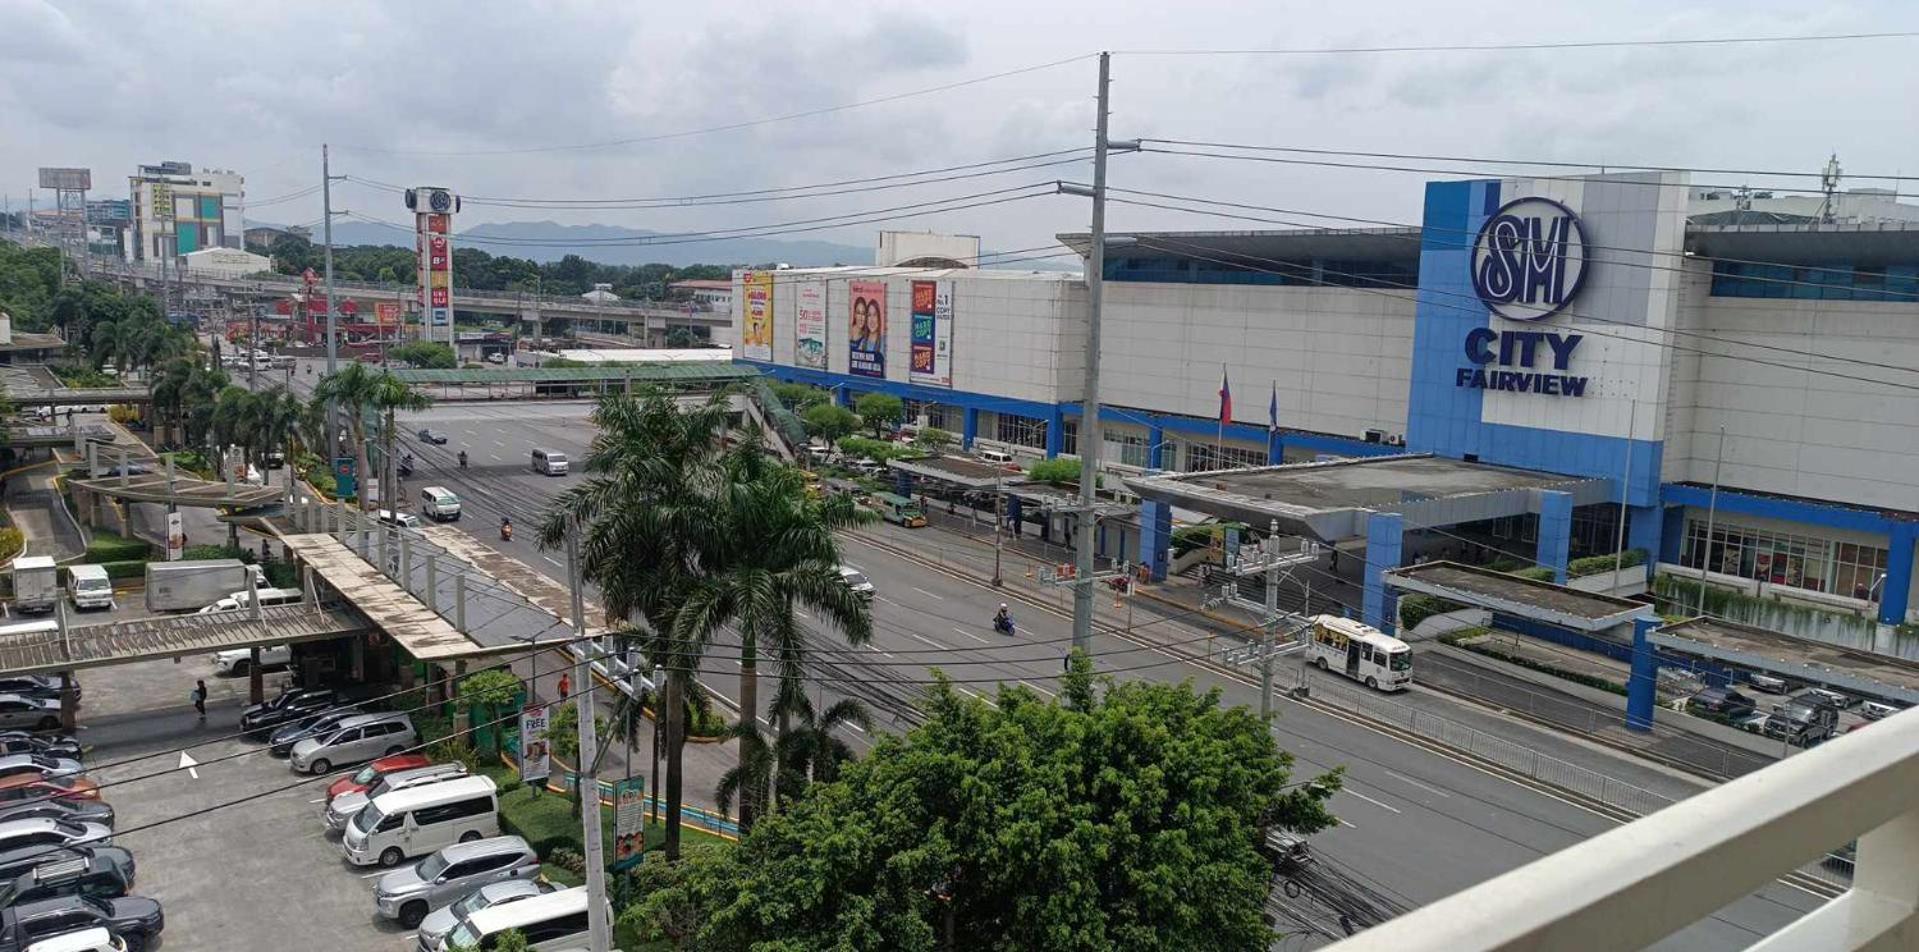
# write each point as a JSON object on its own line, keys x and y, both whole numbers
{"x": 614, "y": 244}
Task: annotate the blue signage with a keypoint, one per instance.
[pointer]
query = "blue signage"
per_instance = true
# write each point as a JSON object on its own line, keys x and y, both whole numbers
{"x": 1529, "y": 259}
{"x": 1527, "y": 350}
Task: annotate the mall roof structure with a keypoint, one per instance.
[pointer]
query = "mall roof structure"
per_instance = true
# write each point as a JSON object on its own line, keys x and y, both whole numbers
{"x": 1330, "y": 500}
{"x": 1517, "y": 595}
{"x": 1862, "y": 673}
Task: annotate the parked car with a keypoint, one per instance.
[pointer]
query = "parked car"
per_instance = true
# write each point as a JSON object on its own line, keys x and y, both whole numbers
{"x": 43, "y": 831}
{"x": 88, "y": 875}
{"x": 39, "y": 765}
{"x": 235, "y": 662}
{"x": 1803, "y": 721}
{"x": 407, "y": 895}
{"x": 21, "y": 742}
{"x": 1768, "y": 683}
{"x": 371, "y": 774}
{"x": 404, "y": 520}
{"x": 280, "y": 744}
{"x": 1754, "y": 722}
{"x": 342, "y": 808}
{"x": 430, "y": 435}
{"x": 1723, "y": 702}
{"x": 1875, "y": 710}
{"x": 32, "y": 685}
{"x": 1835, "y": 698}
{"x": 441, "y": 921}
{"x": 269, "y": 597}
{"x": 86, "y": 940}
{"x": 78, "y": 811}
{"x": 36, "y": 713}
{"x": 291, "y": 705}
{"x": 17, "y": 861}
{"x": 421, "y": 820}
{"x": 355, "y": 739}
{"x": 137, "y": 920}
{"x": 22, "y": 788}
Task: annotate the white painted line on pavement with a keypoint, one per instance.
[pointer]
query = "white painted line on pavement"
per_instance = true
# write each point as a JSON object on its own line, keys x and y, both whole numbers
{"x": 1426, "y": 787}
{"x": 321, "y": 800}
{"x": 889, "y": 654}
{"x": 494, "y": 456}
{"x": 1342, "y": 822}
{"x": 499, "y": 444}
{"x": 971, "y": 635}
{"x": 553, "y": 561}
{"x": 1368, "y": 799}
{"x": 928, "y": 594}
{"x": 978, "y": 695}
{"x": 926, "y": 641}
{"x": 1040, "y": 689}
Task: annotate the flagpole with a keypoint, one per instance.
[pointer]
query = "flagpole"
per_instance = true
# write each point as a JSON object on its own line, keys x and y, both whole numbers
{"x": 1225, "y": 408}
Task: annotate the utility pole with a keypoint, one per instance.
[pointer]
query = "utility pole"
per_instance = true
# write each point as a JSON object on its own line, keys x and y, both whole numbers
{"x": 1712, "y": 511}
{"x": 327, "y": 179}
{"x": 599, "y": 931}
{"x": 1272, "y": 627}
{"x": 1268, "y": 561}
{"x": 999, "y": 525}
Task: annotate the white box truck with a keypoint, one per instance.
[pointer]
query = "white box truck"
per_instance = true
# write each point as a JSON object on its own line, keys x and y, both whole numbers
{"x": 196, "y": 583}
{"x": 36, "y": 584}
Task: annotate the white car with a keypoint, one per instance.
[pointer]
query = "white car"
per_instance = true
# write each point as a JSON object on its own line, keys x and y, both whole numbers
{"x": 857, "y": 581}
{"x": 235, "y": 661}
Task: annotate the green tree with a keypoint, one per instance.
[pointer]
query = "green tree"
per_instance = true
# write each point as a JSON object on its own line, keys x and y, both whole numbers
{"x": 280, "y": 413}
{"x": 683, "y": 338}
{"x": 492, "y": 691}
{"x": 933, "y": 438}
{"x": 429, "y": 355}
{"x": 879, "y": 410}
{"x": 829, "y": 422}
{"x": 1118, "y": 816}
{"x": 351, "y": 389}
{"x": 799, "y": 396}
{"x": 1058, "y": 472}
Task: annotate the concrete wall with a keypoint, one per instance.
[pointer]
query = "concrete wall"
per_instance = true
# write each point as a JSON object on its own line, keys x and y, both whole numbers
{"x": 1341, "y": 356}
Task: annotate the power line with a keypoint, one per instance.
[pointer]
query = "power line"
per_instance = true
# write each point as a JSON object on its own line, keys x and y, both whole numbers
{"x": 731, "y": 126}
{"x": 1521, "y": 47}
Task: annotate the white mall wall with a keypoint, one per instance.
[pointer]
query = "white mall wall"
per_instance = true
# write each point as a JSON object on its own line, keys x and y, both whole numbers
{"x": 1341, "y": 356}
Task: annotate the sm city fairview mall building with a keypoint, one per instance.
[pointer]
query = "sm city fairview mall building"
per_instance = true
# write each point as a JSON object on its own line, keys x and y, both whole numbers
{"x": 1490, "y": 385}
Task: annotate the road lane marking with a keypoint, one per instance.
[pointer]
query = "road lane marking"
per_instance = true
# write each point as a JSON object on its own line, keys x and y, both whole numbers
{"x": 926, "y": 641}
{"x": 928, "y": 594}
{"x": 1426, "y": 787}
{"x": 499, "y": 444}
{"x": 552, "y": 561}
{"x": 1040, "y": 689}
{"x": 883, "y": 651}
{"x": 1368, "y": 799}
{"x": 1342, "y": 822}
{"x": 978, "y": 695}
{"x": 971, "y": 635}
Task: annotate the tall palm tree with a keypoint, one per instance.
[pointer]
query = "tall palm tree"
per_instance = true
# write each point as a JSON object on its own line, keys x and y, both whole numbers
{"x": 775, "y": 552}
{"x": 389, "y": 396}
{"x": 351, "y": 389}
{"x": 644, "y": 513}
{"x": 280, "y": 415}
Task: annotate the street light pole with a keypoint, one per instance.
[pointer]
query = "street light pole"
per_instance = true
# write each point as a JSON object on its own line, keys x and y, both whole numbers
{"x": 599, "y": 930}
{"x": 999, "y": 525}
{"x": 1089, "y": 436}
{"x": 332, "y": 329}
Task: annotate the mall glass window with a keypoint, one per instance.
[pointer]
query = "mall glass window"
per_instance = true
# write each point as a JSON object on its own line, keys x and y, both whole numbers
{"x": 1069, "y": 436}
{"x": 1020, "y": 430}
{"x": 1129, "y": 449}
{"x": 1784, "y": 558}
{"x": 1203, "y": 457}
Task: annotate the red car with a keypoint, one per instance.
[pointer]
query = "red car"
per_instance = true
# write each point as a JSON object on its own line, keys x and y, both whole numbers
{"x": 25, "y": 787}
{"x": 363, "y": 779}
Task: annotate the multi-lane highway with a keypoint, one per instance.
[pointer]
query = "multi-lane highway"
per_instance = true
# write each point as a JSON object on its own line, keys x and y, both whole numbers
{"x": 1415, "y": 823}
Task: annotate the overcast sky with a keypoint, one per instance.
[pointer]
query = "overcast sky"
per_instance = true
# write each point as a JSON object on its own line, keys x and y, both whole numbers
{"x": 257, "y": 87}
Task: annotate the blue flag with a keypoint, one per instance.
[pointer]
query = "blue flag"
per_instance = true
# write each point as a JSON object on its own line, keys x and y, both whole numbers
{"x": 1272, "y": 411}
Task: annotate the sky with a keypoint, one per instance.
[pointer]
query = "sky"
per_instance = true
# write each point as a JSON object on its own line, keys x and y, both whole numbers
{"x": 519, "y": 100}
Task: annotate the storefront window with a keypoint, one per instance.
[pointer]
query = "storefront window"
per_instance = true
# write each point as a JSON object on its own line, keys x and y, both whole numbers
{"x": 1069, "y": 436}
{"x": 1020, "y": 430}
{"x": 1784, "y": 558}
{"x": 1202, "y": 457}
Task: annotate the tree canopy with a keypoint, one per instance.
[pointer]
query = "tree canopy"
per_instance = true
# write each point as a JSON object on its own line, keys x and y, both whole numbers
{"x": 829, "y": 422}
{"x": 1119, "y": 816}
{"x": 427, "y": 355}
{"x": 476, "y": 269}
{"x": 879, "y": 409}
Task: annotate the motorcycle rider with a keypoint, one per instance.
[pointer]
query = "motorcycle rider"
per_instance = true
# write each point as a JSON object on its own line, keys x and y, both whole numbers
{"x": 506, "y": 528}
{"x": 1003, "y": 620}
{"x": 463, "y": 459}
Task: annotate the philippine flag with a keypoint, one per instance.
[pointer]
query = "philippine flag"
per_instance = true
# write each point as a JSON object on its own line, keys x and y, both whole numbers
{"x": 1225, "y": 397}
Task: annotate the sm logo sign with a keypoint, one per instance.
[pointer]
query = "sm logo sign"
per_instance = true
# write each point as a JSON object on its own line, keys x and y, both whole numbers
{"x": 1529, "y": 259}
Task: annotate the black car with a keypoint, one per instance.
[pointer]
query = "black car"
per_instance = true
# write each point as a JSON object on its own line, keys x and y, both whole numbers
{"x": 1724, "y": 702}
{"x": 319, "y": 722}
{"x": 96, "y": 876}
{"x": 73, "y": 811}
{"x": 33, "y": 685}
{"x": 24, "y": 859}
{"x": 434, "y": 437}
{"x": 137, "y": 920}
{"x": 260, "y": 719}
{"x": 53, "y": 745}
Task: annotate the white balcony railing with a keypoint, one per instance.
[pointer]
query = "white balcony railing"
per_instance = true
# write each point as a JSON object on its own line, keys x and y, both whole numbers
{"x": 1634, "y": 885}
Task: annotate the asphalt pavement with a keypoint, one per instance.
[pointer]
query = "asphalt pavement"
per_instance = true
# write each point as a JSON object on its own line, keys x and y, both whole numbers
{"x": 1415, "y": 825}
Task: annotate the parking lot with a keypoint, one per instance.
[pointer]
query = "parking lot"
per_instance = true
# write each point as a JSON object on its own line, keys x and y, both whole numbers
{"x": 258, "y": 875}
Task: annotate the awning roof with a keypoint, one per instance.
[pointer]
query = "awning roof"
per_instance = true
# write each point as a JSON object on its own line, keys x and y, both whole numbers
{"x": 1515, "y": 595}
{"x": 1861, "y": 673}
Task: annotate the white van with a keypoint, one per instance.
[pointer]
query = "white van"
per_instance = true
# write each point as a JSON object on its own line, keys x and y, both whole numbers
{"x": 550, "y": 923}
{"x": 269, "y": 597}
{"x": 994, "y": 457}
{"x": 439, "y": 504}
{"x": 421, "y": 820}
{"x": 89, "y": 586}
{"x": 549, "y": 462}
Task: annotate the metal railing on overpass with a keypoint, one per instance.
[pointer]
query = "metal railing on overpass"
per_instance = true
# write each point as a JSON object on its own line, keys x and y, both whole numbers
{"x": 73, "y": 647}
{"x": 1634, "y": 885}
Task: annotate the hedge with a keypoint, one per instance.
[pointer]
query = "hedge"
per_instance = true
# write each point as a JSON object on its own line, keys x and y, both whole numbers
{"x": 122, "y": 570}
{"x": 1414, "y": 609}
{"x": 1591, "y": 681}
{"x": 107, "y": 547}
{"x": 1596, "y": 564}
{"x": 12, "y": 543}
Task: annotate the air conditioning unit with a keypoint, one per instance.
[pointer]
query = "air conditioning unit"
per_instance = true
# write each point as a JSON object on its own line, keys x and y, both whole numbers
{"x": 1375, "y": 436}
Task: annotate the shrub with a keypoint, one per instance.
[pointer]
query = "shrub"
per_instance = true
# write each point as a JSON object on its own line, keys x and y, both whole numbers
{"x": 205, "y": 551}
{"x": 1538, "y": 573}
{"x": 878, "y": 450}
{"x": 1414, "y": 609}
{"x": 12, "y": 541}
{"x": 123, "y": 570}
{"x": 1188, "y": 538}
{"x": 107, "y": 547}
{"x": 569, "y": 859}
{"x": 1591, "y": 681}
{"x": 1057, "y": 472}
{"x": 1595, "y": 564}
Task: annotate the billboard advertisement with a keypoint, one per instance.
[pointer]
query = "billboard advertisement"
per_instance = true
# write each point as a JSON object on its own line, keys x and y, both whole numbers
{"x": 756, "y": 338}
{"x": 72, "y": 180}
{"x": 930, "y": 360}
{"x": 162, "y": 209}
{"x": 866, "y": 329}
{"x": 434, "y": 250}
{"x": 809, "y": 326}
{"x": 535, "y": 766}
{"x": 176, "y": 537}
{"x": 629, "y": 821}
{"x": 386, "y": 312}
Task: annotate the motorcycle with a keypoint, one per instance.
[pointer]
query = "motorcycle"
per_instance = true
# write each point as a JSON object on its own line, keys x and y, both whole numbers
{"x": 1003, "y": 624}
{"x": 506, "y": 532}
{"x": 463, "y": 459}
{"x": 406, "y": 466}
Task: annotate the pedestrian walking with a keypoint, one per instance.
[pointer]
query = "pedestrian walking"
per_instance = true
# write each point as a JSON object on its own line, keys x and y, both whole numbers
{"x": 199, "y": 696}
{"x": 566, "y": 685}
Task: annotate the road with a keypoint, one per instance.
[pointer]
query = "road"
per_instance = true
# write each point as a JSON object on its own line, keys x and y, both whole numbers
{"x": 1416, "y": 824}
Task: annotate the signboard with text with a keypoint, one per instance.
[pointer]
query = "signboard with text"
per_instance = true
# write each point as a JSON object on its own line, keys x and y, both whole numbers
{"x": 535, "y": 763}
{"x": 629, "y": 821}
{"x": 930, "y": 361}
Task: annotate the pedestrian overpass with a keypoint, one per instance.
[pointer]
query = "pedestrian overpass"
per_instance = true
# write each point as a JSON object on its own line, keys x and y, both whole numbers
{"x": 74, "y": 647}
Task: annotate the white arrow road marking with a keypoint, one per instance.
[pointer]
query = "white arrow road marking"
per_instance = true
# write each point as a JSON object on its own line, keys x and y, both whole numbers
{"x": 189, "y": 765}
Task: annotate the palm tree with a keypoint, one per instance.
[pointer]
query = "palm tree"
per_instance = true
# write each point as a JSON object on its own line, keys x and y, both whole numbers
{"x": 280, "y": 416}
{"x": 389, "y": 396}
{"x": 775, "y": 552}
{"x": 351, "y": 389}
{"x": 644, "y": 513}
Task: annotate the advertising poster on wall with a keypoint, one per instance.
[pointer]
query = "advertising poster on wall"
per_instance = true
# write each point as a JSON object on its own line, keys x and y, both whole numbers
{"x": 866, "y": 329}
{"x": 386, "y": 313}
{"x": 176, "y": 536}
{"x": 756, "y": 338}
{"x": 535, "y": 765}
{"x": 932, "y": 352}
{"x": 809, "y": 326}
{"x": 629, "y": 821}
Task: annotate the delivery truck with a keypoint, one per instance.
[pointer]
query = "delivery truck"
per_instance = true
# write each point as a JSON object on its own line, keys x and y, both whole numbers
{"x": 196, "y": 583}
{"x": 36, "y": 584}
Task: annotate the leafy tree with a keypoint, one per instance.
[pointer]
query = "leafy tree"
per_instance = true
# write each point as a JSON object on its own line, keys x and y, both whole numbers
{"x": 933, "y": 438}
{"x": 799, "y": 396}
{"x": 880, "y": 410}
{"x": 493, "y": 691}
{"x": 429, "y": 355}
{"x": 1118, "y": 816}
{"x": 1058, "y": 472}
{"x": 683, "y": 338}
{"x": 829, "y": 422}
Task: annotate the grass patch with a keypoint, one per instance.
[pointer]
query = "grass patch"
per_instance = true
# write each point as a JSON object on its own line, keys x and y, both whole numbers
{"x": 108, "y": 547}
{"x": 545, "y": 820}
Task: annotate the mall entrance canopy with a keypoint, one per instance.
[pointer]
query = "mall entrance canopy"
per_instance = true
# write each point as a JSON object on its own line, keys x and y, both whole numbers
{"x": 1858, "y": 673}
{"x": 1517, "y": 596}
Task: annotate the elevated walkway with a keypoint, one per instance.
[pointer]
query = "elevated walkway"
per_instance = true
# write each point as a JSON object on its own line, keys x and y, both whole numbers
{"x": 174, "y": 636}
{"x": 178, "y": 490}
{"x": 1858, "y": 673}
{"x": 1545, "y": 602}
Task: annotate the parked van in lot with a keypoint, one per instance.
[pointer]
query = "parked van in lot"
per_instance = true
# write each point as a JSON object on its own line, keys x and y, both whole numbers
{"x": 359, "y": 738}
{"x": 550, "y": 923}
{"x": 341, "y": 809}
{"x": 409, "y": 894}
{"x": 416, "y": 822}
{"x": 89, "y": 586}
{"x": 269, "y": 597}
{"x": 549, "y": 462}
{"x": 440, "y": 504}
